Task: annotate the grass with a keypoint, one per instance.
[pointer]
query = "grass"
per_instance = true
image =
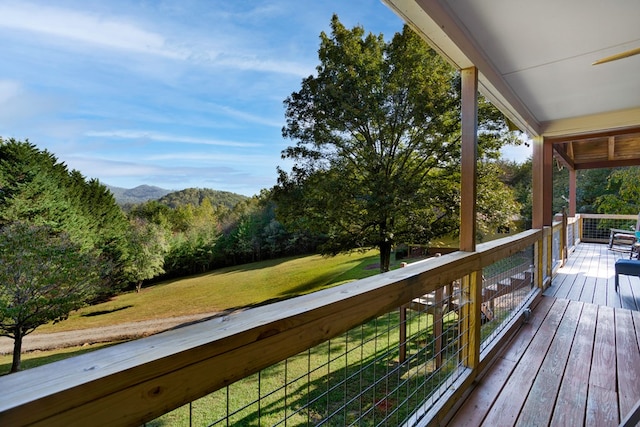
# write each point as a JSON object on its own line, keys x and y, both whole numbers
{"x": 235, "y": 287}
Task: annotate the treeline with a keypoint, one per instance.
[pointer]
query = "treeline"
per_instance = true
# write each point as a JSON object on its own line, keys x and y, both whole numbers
{"x": 198, "y": 230}
{"x": 186, "y": 232}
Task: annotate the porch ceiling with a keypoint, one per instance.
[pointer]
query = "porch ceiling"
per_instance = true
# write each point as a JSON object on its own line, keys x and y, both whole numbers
{"x": 535, "y": 64}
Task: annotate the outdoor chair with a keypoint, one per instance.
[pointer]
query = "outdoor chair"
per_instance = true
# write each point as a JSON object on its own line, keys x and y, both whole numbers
{"x": 629, "y": 267}
{"x": 624, "y": 240}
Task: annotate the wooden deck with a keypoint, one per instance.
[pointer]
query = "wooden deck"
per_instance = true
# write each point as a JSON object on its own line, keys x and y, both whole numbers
{"x": 576, "y": 362}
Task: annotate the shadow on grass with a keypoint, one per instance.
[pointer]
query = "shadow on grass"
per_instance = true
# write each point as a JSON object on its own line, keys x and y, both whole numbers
{"x": 356, "y": 272}
{"x": 101, "y": 312}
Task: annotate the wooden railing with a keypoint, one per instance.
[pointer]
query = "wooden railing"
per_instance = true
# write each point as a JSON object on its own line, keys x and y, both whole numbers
{"x": 594, "y": 228}
{"x": 134, "y": 382}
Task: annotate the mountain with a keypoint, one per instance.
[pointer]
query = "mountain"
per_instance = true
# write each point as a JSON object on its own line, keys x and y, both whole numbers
{"x": 195, "y": 196}
{"x": 139, "y": 194}
{"x": 173, "y": 199}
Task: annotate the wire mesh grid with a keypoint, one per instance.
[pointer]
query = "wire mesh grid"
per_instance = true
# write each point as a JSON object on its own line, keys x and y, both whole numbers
{"x": 571, "y": 233}
{"x": 506, "y": 286}
{"x": 375, "y": 374}
{"x": 597, "y": 230}
{"x": 555, "y": 249}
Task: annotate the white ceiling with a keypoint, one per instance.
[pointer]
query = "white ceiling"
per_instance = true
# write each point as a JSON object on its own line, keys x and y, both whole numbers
{"x": 535, "y": 57}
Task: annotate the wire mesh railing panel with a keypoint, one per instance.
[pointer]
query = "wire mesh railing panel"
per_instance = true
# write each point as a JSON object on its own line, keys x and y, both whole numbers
{"x": 506, "y": 286}
{"x": 598, "y": 229}
{"x": 375, "y": 374}
{"x": 555, "y": 248}
{"x": 571, "y": 233}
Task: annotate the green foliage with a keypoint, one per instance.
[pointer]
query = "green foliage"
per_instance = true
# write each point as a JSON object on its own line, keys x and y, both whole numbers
{"x": 36, "y": 189}
{"x": 146, "y": 250}
{"x": 592, "y": 184}
{"x": 195, "y": 197}
{"x": 378, "y": 144}
{"x": 43, "y": 275}
{"x": 622, "y": 193}
{"x": 518, "y": 177}
{"x": 497, "y": 203}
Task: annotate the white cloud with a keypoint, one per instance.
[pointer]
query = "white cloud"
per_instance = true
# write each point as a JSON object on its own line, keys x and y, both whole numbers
{"x": 164, "y": 137}
{"x": 85, "y": 28}
{"x": 9, "y": 89}
{"x": 226, "y": 158}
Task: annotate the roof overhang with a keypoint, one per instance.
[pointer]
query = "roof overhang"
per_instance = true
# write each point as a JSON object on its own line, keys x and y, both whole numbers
{"x": 535, "y": 64}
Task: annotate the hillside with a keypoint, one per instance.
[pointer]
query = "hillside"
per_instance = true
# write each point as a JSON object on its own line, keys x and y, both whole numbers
{"x": 195, "y": 196}
{"x": 139, "y": 194}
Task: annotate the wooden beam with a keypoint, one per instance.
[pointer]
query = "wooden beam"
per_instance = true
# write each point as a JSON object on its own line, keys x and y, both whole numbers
{"x": 468, "y": 180}
{"x": 590, "y": 135}
{"x": 608, "y": 164}
{"x": 565, "y": 154}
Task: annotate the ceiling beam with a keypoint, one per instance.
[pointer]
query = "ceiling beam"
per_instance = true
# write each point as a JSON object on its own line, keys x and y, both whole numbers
{"x": 607, "y": 164}
{"x": 564, "y": 157}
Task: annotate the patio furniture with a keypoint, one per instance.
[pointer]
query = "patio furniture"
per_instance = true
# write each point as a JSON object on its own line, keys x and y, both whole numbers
{"x": 629, "y": 267}
{"x": 624, "y": 240}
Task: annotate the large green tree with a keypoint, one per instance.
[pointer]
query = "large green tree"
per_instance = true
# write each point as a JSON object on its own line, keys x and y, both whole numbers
{"x": 43, "y": 276}
{"x": 37, "y": 189}
{"x": 377, "y": 152}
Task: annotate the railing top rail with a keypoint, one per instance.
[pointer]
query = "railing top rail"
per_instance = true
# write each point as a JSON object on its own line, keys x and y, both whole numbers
{"x": 130, "y": 383}
{"x": 608, "y": 216}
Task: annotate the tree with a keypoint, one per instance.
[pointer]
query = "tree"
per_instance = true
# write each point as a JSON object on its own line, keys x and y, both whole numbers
{"x": 378, "y": 144}
{"x": 146, "y": 250}
{"x": 43, "y": 276}
{"x": 622, "y": 195}
{"x": 37, "y": 189}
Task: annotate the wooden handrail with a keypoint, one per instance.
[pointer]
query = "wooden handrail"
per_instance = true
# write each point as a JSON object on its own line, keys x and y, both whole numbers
{"x": 135, "y": 382}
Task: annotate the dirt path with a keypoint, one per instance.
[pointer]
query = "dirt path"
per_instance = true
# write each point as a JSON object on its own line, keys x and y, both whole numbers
{"x": 123, "y": 331}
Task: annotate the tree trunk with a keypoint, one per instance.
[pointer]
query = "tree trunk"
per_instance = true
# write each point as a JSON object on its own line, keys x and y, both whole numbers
{"x": 385, "y": 256}
{"x": 17, "y": 350}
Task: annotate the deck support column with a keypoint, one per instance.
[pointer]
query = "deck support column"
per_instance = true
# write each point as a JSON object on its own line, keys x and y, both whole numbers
{"x": 542, "y": 204}
{"x": 472, "y": 284}
{"x": 573, "y": 193}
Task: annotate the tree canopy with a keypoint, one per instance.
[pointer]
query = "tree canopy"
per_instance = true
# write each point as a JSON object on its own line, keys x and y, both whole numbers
{"x": 43, "y": 276}
{"x": 377, "y": 152}
{"x": 37, "y": 189}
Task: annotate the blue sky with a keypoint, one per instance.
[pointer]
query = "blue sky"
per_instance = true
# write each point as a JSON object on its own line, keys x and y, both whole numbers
{"x": 171, "y": 93}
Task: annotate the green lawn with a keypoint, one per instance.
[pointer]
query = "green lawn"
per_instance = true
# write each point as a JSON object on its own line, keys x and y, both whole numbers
{"x": 234, "y": 287}
{"x": 240, "y": 286}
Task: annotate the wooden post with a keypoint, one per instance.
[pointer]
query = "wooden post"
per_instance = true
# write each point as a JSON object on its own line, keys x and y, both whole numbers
{"x": 542, "y": 183}
{"x": 564, "y": 238}
{"x": 472, "y": 284}
{"x": 468, "y": 176}
{"x": 573, "y": 193}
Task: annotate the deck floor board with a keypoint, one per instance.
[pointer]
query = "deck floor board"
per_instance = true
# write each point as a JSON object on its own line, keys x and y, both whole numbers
{"x": 577, "y": 361}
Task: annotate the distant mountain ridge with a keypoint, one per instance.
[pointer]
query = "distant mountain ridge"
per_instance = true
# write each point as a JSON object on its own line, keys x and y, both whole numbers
{"x": 172, "y": 198}
{"x": 139, "y": 194}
